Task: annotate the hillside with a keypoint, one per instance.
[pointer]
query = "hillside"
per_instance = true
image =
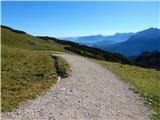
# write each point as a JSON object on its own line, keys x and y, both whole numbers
{"x": 149, "y": 59}
{"x": 147, "y": 40}
{"x": 14, "y": 39}
{"x": 28, "y": 69}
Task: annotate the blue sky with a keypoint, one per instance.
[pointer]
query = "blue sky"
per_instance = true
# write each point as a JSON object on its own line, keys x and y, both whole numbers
{"x": 64, "y": 19}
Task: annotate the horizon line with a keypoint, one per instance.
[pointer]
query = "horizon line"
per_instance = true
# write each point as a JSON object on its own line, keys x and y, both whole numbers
{"x": 87, "y": 35}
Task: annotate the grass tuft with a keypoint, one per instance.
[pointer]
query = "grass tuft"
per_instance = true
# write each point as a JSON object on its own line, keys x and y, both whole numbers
{"x": 63, "y": 68}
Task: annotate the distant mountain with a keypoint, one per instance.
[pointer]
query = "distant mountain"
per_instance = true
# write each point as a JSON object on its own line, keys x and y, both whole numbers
{"x": 149, "y": 59}
{"x": 112, "y": 39}
{"x": 147, "y": 40}
{"x": 85, "y": 40}
{"x": 89, "y": 39}
{"x": 100, "y": 40}
{"x": 68, "y": 38}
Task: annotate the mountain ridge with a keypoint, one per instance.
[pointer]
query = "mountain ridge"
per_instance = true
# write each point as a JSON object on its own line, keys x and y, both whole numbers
{"x": 92, "y": 40}
{"x": 146, "y": 40}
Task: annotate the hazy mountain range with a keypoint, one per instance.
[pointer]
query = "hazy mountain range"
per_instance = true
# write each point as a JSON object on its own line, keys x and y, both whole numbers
{"x": 128, "y": 44}
{"x": 100, "y": 40}
{"x": 147, "y": 40}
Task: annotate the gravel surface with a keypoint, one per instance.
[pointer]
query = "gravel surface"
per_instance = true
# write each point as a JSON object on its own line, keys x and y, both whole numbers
{"x": 90, "y": 93}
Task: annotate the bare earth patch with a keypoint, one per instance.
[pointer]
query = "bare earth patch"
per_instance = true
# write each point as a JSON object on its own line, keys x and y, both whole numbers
{"x": 90, "y": 93}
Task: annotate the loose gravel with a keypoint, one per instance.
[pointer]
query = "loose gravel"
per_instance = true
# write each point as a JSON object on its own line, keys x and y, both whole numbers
{"x": 90, "y": 93}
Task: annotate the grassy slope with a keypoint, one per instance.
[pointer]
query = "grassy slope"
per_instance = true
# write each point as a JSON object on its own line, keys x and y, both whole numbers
{"x": 27, "y": 42}
{"x": 25, "y": 75}
{"x": 145, "y": 82}
{"x": 25, "y": 72}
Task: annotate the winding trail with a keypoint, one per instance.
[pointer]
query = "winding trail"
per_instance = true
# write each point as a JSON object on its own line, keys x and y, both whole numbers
{"x": 90, "y": 93}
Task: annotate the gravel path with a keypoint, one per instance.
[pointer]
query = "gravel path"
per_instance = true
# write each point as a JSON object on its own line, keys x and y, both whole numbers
{"x": 90, "y": 93}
